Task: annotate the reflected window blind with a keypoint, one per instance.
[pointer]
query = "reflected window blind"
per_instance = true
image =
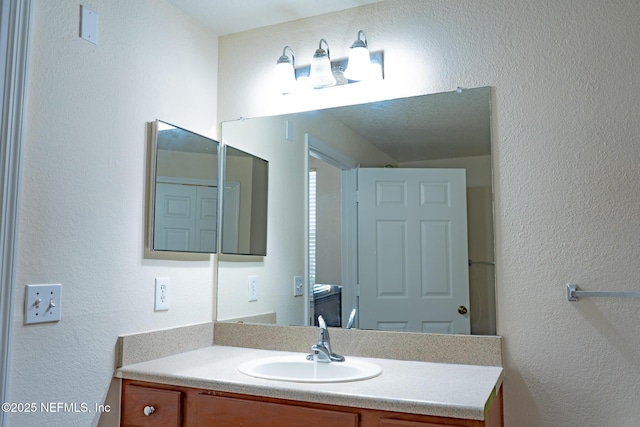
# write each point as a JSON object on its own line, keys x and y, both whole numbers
{"x": 312, "y": 228}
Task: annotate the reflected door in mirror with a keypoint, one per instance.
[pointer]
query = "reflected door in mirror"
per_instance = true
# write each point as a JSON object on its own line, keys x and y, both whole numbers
{"x": 186, "y": 217}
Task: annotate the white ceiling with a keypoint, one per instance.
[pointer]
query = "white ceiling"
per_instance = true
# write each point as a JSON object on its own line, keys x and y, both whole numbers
{"x": 232, "y": 16}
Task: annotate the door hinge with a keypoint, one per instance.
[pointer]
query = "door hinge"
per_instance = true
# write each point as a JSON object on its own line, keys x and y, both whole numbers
{"x": 357, "y": 196}
{"x": 358, "y": 290}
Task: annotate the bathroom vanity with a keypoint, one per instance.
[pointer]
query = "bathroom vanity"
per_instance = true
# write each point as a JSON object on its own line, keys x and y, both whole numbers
{"x": 203, "y": 387}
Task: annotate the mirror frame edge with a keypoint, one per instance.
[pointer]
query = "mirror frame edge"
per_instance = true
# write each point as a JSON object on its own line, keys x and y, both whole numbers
{"x": 153, "y": 152}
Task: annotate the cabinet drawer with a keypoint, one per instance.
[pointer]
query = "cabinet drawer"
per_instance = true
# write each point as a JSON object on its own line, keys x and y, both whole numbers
{"x": 229, "y": 412}
{"x": 166, "y": 404}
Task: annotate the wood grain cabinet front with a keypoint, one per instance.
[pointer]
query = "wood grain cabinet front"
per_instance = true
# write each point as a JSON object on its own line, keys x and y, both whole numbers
{"x": 401, "y": 423}
{"x": 151, "y": 407}
{"x": 230, "y": 412}
{"x": 159, "y": 405}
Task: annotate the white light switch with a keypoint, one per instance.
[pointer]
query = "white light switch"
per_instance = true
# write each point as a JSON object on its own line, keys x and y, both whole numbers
{"x": 298, "y": 286}
{"x": 88, "y": 25}
{"x": 42, "y": 303}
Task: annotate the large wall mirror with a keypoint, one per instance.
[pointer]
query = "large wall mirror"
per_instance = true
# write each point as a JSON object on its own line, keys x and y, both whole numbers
{"x": 319, "y": 159}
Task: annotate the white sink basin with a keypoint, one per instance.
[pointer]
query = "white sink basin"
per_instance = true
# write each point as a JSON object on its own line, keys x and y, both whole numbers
{"x": 298, "y": 369}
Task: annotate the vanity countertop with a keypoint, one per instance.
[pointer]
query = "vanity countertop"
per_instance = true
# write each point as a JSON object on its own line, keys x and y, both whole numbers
{"x": 438, "y": 389}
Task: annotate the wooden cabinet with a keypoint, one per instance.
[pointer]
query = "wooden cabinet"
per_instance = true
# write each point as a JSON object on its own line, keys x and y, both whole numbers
{"x": 189, "y": 407}
{"x": 151, "y": 407}
{"x": 227, "y": 411}
{"x": 400, "y": 423}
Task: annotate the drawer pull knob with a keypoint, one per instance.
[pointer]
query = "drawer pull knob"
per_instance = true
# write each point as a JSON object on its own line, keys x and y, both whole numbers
{"x": 148, "y": 410}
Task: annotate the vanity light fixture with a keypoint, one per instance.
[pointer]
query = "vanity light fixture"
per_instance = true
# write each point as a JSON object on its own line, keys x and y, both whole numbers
{"x": 359, "y": 65}
{"x": 362, "y": 65}
{"x": 285, "y": 73}
{"x": 320, "y": 73}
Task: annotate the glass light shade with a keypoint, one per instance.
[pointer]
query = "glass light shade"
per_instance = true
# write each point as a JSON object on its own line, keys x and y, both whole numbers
{"x": 285, "y": 77}
{"x": 320, "y": 73}
{"x": 359, "y": 66}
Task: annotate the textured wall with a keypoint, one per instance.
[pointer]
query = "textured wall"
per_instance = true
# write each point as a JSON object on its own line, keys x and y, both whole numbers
{"x": 83, "y": 203}
{"x": 565, "y": 90}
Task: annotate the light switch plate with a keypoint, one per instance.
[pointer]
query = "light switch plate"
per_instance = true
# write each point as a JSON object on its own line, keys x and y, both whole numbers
{"x": 42, "y": 303}
{"x": 298, "y": 286}
{"x": 88, "y": 25}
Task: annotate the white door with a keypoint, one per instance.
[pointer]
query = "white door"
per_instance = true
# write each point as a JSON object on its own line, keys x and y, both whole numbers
{"x": 206, "y": 219}
{"x": 186, "y": 217}
{"x": 412, "y": 250}
{"x": 175, "y": 217}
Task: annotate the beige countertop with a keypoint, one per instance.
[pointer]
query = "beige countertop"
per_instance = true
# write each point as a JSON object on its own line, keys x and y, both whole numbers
{"x": 438, "y": 389}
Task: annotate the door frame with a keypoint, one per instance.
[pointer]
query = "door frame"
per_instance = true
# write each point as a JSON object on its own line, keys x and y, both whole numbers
{"x": 15, "y": 22}
{"x": 321, "y": 150}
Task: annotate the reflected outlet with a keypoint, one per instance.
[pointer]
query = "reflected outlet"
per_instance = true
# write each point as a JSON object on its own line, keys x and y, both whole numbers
{"x": 253, "y": 288}
{"x": 162, "y": 294}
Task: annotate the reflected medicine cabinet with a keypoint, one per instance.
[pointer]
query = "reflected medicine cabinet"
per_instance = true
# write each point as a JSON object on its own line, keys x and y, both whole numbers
{"x": 185, "y": 196}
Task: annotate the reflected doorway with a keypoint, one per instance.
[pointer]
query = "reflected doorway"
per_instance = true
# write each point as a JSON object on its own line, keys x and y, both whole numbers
{"x": 325, "y": 246}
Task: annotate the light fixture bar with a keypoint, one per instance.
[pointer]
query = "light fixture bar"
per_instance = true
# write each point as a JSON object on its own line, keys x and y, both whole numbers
{"x": 376, "y": 58}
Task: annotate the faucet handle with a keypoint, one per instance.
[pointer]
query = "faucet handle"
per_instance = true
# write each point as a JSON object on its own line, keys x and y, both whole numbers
{"x": 324, "y": 345}
{"x": 321, "y": 322}
{"x": 352, "y": 319}
{"x": 324, "y": 333}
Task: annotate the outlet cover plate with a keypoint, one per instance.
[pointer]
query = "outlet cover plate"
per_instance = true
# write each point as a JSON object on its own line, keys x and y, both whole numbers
{"x": 253, "y": 288}
{"x": 162, "y": 294}
{"x": 42, "y": 303}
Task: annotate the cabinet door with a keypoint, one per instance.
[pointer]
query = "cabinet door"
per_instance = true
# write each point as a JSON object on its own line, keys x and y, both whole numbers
{"x": 229, "y": 412}
{"x": 402, "y": 423}
{"x": 163, "y": 407}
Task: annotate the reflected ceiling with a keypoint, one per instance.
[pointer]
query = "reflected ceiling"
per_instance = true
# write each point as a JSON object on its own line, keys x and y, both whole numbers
{"x": 439, "y": 126}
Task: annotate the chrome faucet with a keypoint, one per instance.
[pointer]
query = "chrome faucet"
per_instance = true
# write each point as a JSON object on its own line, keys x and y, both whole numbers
{"x": 322, "y": 350}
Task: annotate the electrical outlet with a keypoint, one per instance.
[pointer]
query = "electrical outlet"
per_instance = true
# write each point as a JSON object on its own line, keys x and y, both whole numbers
{"x": 298, "y": 286}
{"x": 253, "y": 288}
{"x": 162, "y": 294}
{"x": 42, "y": 303}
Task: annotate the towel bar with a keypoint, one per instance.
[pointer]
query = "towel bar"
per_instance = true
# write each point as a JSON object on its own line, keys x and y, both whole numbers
{"x": 573, "y": 293}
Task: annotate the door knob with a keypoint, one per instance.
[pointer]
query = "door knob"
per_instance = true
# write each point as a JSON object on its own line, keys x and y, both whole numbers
{"x": 462, "y": 309}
